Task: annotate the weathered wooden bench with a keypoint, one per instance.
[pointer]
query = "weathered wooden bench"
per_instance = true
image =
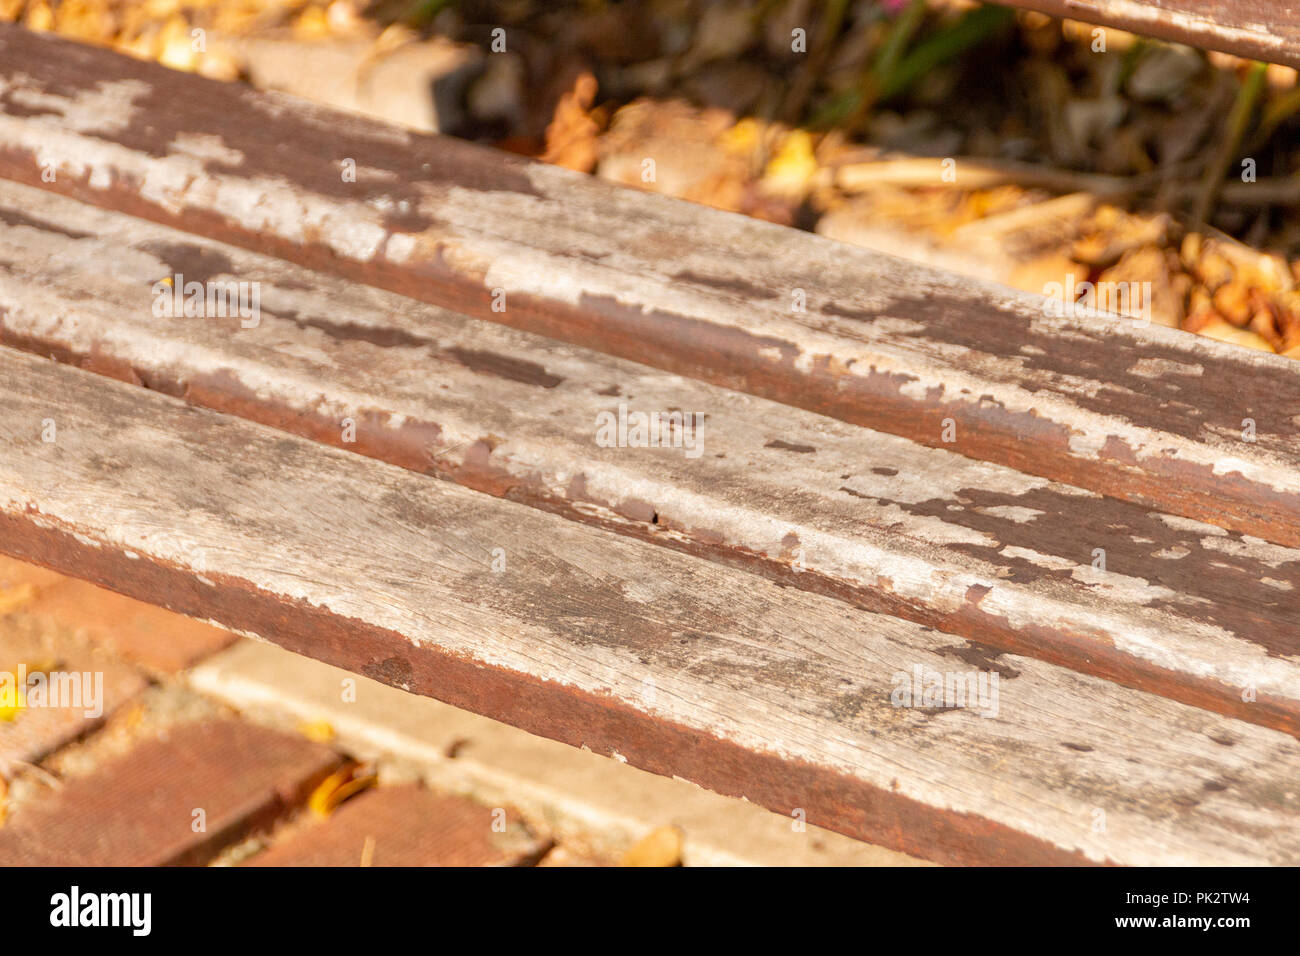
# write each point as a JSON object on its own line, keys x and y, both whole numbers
{"x": 1265, "y": 30}
{"x": 914, "y": 475}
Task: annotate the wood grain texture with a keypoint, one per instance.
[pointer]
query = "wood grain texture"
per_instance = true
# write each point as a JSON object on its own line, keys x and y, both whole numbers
{"x": 1149, "y": 415}
{"x": 661, "y": 659}
{"x": 1192, "y": 611}
{"x": 1256, "y": 29}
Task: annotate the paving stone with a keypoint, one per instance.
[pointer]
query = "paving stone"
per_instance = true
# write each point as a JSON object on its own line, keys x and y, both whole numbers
{"x": 15, "y": 573}
{"x": 153, "y": 637}
{"x": 83, "y": 685}
{"x": 408, "y": 826}
{"x": 140, "y": 809}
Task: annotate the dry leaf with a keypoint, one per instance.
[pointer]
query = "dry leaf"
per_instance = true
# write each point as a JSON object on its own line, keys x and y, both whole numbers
{"x": 790, "y": 172}
{"x": 338, "y": 786}
{"x": 317, "y": 731}
{"x": 12, "y": 702}
{"x": 661, "y": 847}
{"x": 571, "y": 135}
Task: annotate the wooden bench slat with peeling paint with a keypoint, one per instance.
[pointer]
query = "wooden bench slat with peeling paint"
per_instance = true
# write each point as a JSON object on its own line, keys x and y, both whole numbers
{"x": 1256, "y": 29}
{"x": 1150, "y": 415}
{"x": 665, "y": 660}
{"x": 1189, "y": 610}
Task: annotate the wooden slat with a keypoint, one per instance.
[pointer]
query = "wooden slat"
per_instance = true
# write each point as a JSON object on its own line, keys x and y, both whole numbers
{"x": 1191, "y": 611}
{"x": 1257, "y": 29}
{"x": 1150, "y": 415}
{"x": 667, "y": 661}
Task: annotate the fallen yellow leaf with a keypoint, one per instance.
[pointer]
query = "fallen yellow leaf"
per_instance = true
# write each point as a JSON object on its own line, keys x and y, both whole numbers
{"x": 742, "y": 138}
{"x": 337, "y": 787}
{"x": 11, "y": 706}
{"x": 789, "y": 173}
{"x": 660, "y": 847}
{"x": 317, "y": 731}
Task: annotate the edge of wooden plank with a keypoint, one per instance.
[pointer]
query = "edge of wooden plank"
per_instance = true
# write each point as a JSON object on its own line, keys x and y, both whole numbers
{"x": 1254, "y": 29}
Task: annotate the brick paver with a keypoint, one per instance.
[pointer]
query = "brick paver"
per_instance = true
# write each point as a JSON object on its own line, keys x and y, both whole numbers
{"x": 408, "y": 826}
{"x": 152, "y": 637}
{"x": 143, "y": 808}
{"x": 79, "y": 686}
{"x": 14, "y": 574}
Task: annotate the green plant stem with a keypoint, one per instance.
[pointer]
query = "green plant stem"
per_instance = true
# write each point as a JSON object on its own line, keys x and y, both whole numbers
{"x": 1243, "y": 108}
{"x": 969, "y": 30}
{"x": 421, "y": 12}
{"x": 972, "y": 29}
{"x": 828, "y": 29}
{"x": 899, "y": 35}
